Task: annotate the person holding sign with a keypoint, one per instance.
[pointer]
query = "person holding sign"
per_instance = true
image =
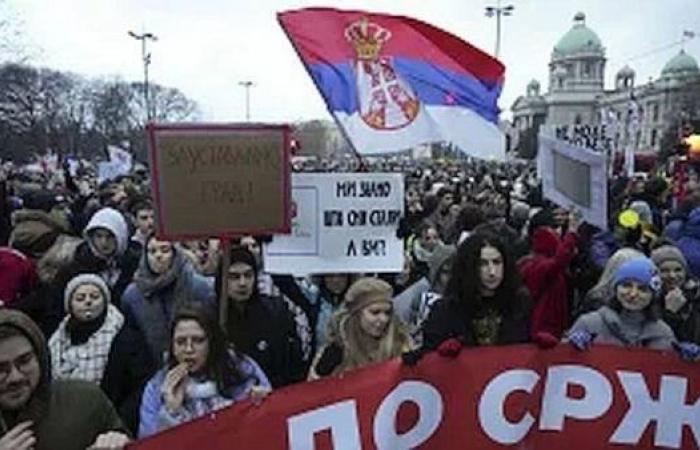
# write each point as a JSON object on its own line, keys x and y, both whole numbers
{"x": 203, "y": 374}
{"x": 364, "y": 331}
{"x": 259, "y": 326}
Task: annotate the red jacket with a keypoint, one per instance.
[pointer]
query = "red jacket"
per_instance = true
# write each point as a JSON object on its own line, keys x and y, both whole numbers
{"x": 17, "y": 275}
{"x": 544, "y": 272}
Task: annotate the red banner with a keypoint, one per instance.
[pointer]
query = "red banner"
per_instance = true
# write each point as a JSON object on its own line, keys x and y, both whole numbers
{"x": 487, "y": 398}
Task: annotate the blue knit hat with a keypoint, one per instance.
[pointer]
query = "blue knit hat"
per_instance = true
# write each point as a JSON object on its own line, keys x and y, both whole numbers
{"x": 640, "y": 269}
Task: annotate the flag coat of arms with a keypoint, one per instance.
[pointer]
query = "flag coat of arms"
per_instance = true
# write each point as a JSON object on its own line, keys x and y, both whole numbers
{"x": 394, "y": 82}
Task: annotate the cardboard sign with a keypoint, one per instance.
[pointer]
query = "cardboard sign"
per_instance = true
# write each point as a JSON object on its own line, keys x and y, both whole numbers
{"x": 219, "y": 180}
{"x": 574, "y": 176}
{"x": 342, "y": 223}
{"x": 487, "y": 398}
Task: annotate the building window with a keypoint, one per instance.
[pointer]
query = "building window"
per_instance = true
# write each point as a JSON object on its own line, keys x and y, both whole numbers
{"x": 653, "y": 138}
{"x": 561, "y": 83}
{"x": 655, "y": 112}
{"x": 587, "y": 70}
{"x": 577, "y": 119}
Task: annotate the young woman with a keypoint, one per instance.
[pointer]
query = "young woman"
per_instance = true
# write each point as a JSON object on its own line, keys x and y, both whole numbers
{"x": 203, "y": 374}
{"x": 485, "y": 302}
{"x": 680, "y": 293}
{"x": 631, "y": 317}
{"x": 81, "y": 344}
{"x": 364, "y": 331}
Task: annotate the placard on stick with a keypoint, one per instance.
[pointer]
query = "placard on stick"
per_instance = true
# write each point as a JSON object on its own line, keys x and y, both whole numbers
{"x": 214, "y": 180}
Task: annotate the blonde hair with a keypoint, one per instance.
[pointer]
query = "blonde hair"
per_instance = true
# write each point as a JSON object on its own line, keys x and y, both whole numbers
{"x": 360, "y": 349}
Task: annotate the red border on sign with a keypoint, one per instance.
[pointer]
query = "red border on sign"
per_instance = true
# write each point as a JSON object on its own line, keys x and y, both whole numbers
{"x": 285, "y": 173}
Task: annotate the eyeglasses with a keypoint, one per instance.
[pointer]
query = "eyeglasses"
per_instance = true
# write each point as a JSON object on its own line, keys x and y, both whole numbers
{"x": 24, "y": 364}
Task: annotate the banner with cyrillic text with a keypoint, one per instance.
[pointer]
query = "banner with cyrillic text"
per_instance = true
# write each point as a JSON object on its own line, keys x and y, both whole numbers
{"x": 341, "y": 223}
{"x": 486, "y": 398}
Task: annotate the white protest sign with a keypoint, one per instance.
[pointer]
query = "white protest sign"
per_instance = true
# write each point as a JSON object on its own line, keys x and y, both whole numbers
{"x": 574, "y": 177}
{"x": 341, "y": 223}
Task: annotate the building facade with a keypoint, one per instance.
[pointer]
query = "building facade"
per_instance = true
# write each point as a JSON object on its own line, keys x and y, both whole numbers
{"x": 576, "y": 94}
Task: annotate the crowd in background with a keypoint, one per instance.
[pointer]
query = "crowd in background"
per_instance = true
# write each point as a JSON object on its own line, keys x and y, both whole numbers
{"x": 158, "y": 333}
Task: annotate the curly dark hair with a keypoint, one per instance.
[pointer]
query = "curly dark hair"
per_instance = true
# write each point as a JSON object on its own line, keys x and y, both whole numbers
{"x": 223, "y": 363}
{"x": 465, "y": 281}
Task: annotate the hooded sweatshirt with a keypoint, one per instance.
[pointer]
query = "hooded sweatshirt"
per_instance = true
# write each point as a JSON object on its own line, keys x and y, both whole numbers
{"x": 67, "y": 415}
{"x": 544, "y": 272}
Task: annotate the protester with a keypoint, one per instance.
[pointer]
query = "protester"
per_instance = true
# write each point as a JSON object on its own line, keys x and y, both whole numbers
{"x": 204, "y": 373}
{"x": 105, "y": 251}
{"x": 443, "y": 217}
{"x": 257, "y": 325}
{"x": 680, "y": 293}
{"x": 485, "y": 302}
{"x": 689, "y": 242}
{"x": 545, "y": 273}
{"x": 81, "y": 344}
{"x": 18, "y": 276}
{"x": 143, "y": 213}
{"x": 364, "y": 331}
{"x": 39, "y": 413}
{"x": 164, "y": 281}
{"x": 631, "y": 317}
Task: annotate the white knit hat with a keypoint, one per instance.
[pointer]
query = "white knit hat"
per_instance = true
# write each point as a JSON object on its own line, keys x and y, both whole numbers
{"x": 85, "y": 278}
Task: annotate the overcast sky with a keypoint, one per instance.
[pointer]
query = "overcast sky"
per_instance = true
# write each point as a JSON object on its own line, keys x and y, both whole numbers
{"x": 206, "y": 47}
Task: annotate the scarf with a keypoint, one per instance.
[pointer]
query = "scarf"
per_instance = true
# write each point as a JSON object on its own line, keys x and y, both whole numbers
{"x": 80, "y": 331}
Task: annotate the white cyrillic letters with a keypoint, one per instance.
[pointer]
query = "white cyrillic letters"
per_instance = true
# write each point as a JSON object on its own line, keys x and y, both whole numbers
{"x": 491, "y": 406}
{"x": 430, "y": 407}
{"x": 670, "y": 412}
{"x": 556, "y": 405}
{"x": 340, "y": 418}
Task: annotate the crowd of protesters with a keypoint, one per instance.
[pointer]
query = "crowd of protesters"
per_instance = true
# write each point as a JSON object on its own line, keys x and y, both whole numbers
{"x": 108, "y": 333}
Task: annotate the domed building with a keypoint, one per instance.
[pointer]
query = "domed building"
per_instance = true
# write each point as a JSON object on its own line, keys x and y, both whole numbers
{"x": 576, "y": 93}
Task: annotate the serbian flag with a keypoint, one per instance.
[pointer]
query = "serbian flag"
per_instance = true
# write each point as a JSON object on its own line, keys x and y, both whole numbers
{"x": 394, "y": 82}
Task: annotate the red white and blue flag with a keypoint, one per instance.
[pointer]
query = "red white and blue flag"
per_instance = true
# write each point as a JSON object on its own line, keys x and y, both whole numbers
{"x": 393, "y": 82}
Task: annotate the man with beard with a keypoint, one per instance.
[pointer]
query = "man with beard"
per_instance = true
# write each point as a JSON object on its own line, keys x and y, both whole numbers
{"x": 40, "y": 414}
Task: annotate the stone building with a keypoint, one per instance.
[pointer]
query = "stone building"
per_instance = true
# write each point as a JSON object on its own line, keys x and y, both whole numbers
{"x": 576, "y": 93}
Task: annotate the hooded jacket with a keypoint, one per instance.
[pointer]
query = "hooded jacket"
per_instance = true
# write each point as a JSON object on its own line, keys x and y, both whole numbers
{"x": 35, "y": 231}
{"x": 544, "y": 273}
{"x": 117, "y": 270}
{"x": 67, "y": 415}
{"x": 689, "y": 242}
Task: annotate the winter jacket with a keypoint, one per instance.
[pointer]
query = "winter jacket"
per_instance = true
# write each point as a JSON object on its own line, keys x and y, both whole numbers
{"x": 685, "y": 322}
{"x": 627, "y": 329}
{"x": 18, "y": 276}
{"x": 544, "y": 273}
{"x": 265, "y": 330}
{"x": 448, "y": 319}
{"x": 86, "y": 361}
{"x": 689, "y": 242}
{"x": 201, "y": 398}
{"x": 35, "y": 231}
{"x": 67, "y": 414}
{"x": 152, "y": 312}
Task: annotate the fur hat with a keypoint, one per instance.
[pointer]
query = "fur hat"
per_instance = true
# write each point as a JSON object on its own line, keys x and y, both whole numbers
{"x": 86, "y": 278}
{"x": 668, "y": 253}
{"x": 366, "y": 291}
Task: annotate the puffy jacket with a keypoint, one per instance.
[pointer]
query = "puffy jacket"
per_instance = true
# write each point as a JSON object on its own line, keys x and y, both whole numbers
{"x": 544, "y": 273}
{"x": 689, "y": 242}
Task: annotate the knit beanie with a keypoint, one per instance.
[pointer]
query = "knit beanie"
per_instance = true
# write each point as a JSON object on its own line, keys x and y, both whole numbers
{"x": 643, "y": 209}
{"x": 366, "y": 291}
{"x": 640, "y": 269}
{"x": 240, "y": 254}
{"x": 543, "y": 218}
{"x": 669, "y": 253}
{"x": 86, "y": 278}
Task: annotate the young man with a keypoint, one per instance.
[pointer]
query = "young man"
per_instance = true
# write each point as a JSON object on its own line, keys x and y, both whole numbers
{"x": 39, "y": 413}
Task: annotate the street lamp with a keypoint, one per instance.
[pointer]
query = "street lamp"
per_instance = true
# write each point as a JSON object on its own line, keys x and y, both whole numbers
{"x": 144, "y": 37}
{"x": 499, "y": 11}
{"x": 247, "y": 85}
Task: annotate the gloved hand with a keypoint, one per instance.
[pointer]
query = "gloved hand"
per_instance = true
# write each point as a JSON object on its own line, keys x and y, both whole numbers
{"x": 689, "y": 351}
{"x": 581, "y": 339}
{"x": 450, "y": 348}
{"x": 545, "y": 340}
{"x": 412, "y": 357}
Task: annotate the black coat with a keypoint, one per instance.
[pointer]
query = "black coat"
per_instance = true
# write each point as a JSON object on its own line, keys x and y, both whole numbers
{"x": 266, "y": 332}
{"x": 448, "y": 319}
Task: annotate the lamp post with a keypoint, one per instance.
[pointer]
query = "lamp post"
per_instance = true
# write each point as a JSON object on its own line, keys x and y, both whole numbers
{"x": 499, "y": 11}
{"x": 146, "y": 57}
{"x": 247, "y": 85}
